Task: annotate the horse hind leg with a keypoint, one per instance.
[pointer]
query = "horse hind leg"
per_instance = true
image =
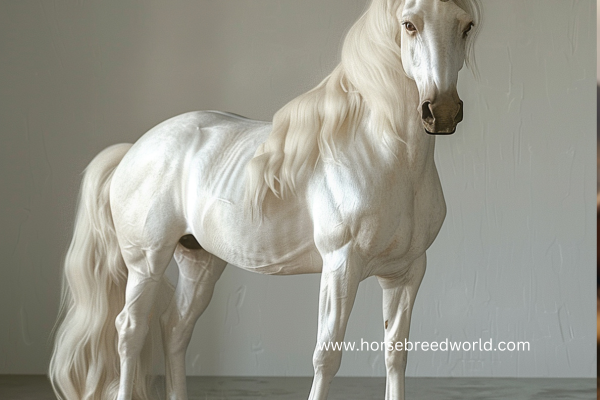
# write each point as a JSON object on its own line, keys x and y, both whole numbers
{"x": 198, "y": 274}
{"x": 145, "y": 276}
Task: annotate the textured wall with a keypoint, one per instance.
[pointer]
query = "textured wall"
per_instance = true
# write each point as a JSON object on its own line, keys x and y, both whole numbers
{"x": 514, "y": 260}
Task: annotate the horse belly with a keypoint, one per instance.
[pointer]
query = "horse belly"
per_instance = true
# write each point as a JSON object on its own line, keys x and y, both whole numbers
{"x": 280, "y": 244}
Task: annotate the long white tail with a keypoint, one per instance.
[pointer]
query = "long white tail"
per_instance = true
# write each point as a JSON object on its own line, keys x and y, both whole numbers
{"x": 85, "y": 361}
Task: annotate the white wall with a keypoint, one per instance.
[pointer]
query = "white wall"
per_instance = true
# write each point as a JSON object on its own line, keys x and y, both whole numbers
{"x": 515, "y": 259}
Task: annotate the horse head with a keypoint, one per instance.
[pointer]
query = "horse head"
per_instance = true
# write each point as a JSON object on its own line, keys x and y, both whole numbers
{"x": 434, "y": 38}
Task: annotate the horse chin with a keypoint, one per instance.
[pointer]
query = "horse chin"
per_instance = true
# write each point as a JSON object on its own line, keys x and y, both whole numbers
{"x": 440, "y": 132}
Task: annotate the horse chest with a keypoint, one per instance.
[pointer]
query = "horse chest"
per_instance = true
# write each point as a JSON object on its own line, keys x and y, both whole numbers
{"x": 384, "y": 216}
{"x": 417, "y": 229}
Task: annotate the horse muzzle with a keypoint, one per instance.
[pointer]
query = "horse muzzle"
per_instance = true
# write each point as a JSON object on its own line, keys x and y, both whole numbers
{"x": 441, "y": 118}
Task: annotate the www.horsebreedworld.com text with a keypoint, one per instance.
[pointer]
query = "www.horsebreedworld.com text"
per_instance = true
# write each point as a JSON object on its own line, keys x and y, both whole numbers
{"x": 445, "y": 345}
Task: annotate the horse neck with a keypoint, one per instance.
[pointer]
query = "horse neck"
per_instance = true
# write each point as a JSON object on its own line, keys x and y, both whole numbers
{"x": 414, "y": 147}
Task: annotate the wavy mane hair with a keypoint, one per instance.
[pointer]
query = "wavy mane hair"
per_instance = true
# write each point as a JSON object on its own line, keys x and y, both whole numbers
{"x": 369, "y": 79}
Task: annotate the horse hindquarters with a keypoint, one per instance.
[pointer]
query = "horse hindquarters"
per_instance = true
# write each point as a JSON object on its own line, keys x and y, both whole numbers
{"x": 85, "y": 361}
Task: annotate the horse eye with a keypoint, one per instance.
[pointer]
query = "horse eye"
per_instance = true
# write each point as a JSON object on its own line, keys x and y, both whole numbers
{"x": 409, "y": 27}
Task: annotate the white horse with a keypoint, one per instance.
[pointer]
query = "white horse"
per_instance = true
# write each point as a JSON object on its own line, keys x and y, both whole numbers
{"x": 343, "y": 182}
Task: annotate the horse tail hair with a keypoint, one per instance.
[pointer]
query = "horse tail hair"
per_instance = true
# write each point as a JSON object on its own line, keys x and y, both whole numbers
{"x": 85, "y": 361}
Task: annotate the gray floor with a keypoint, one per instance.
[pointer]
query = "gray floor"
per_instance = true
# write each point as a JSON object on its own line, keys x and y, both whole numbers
{"x": 23, "y": 387}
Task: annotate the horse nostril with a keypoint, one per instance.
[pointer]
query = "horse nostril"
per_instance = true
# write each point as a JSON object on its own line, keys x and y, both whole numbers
{"x": 426, "y": 113}
{"x": 459, "y": 115}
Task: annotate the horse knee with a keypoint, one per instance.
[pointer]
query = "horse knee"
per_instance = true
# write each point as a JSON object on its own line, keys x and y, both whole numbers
{"x": 395, "y": 361}
{"x": 326, "y": 363}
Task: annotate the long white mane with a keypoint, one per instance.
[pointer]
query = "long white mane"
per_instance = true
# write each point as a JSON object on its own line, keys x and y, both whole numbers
{"x": 368, "y": 80}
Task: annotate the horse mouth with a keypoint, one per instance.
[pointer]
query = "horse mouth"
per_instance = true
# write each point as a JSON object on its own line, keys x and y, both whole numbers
{"x": 441, "y": 132}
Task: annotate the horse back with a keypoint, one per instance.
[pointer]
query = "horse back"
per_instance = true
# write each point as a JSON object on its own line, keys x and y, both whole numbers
{"x": 187, "y": 176}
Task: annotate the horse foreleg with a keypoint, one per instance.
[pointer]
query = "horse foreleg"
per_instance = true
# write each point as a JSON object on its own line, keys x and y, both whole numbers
{"x": 198, "y": 273}
{"x": 145, "y": 272}
{"x": 398, "y": 298}
{"x": 339, "y": 283}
